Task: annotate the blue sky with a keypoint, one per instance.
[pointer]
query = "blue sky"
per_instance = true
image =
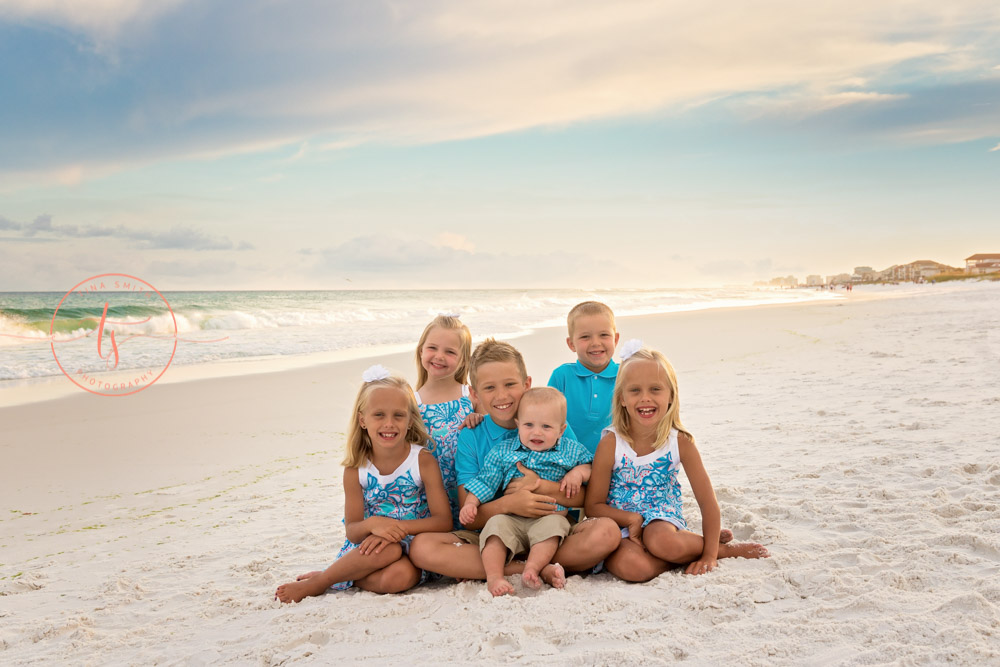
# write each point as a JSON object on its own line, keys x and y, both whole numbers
{"x": 258, "y": 144}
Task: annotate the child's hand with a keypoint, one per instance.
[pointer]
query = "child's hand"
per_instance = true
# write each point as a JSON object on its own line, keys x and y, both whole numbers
{"x": 571, "y": 483}
{"x": 468, "y": 514}
{"x": 635, "y": 528}
{"x": 701, "y": 566}
{"x": 389, "y": 529}
{"x": 529, "y": 482}
{"x": 473, "y": 420}
{"x": 372, "y": 544}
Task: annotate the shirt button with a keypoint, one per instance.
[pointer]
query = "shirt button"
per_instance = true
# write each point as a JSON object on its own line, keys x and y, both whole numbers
{"x": 595, "y": 395}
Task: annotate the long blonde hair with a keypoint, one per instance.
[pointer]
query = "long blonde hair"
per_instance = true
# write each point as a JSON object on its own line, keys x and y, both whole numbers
{"x": 359, "y": 444}
{"x": 619, "y": 415}
{"x": 465, "y": 347}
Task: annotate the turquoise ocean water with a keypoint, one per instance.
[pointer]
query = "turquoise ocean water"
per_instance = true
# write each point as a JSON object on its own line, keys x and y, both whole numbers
{"x": 230, "y": 326}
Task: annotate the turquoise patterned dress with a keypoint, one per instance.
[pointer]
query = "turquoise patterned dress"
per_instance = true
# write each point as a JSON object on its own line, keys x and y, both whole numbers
{"x": 398, "y": 495}
{"x": 647, "y": 484}
{"x": 443, "y": 422}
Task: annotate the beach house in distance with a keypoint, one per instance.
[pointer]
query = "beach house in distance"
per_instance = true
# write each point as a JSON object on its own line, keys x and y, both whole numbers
{"x": 982, "y": 263}
{"x": 918, "y": 271}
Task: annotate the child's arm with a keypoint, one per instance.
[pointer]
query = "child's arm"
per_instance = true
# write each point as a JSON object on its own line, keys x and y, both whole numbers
{"x": 711, "y": 518}
{"x": 574, "y": 479}
{"x": 437, "y": 499}
{"x": 357, "y": 526}
{"x": 469, "y": 509}
{"x": 476, "y": 417}
{"x": 596, "y": 503}
{"x": 523, "y": 503}
{"x": 532, "y": 482}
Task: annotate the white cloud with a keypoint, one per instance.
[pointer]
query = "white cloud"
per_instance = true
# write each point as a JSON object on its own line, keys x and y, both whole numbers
{"x": 995, "y": 148}
{"x": 404, "y": 261}
{"x": 455, "y": 242}
{"x": 431, "y": 71}
{"x": 101, "y": 19}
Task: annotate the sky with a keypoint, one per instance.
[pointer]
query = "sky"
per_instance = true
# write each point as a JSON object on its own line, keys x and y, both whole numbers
{"x": 317, "y": 144}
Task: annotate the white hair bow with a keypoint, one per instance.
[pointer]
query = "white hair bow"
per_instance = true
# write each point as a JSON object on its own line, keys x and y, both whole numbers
{"x": 376, "y": 372}
{"x": 630, "y": 347}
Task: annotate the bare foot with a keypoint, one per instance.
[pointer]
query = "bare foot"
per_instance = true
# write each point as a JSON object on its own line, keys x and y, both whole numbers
{"x": 293, "y": 592}
{"x": 554, "y": 575}
{"x": 303, "y": 577}
{"x": 498, "y": 587}
{"x": 743, "y": 550}
{"x": 725, "y": 536}
{"x": 530, "y": 579}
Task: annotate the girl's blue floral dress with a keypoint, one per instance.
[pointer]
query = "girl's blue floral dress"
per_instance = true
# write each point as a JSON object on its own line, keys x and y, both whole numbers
{"x": 647, "y": 484}
{"x": 443, "y": 422}
{"x": 398, "y": 495}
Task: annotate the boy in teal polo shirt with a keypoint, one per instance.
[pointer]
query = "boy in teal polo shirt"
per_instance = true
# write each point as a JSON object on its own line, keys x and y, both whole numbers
{"x": 499, "y": 378}
{"x": 589, "y": 382}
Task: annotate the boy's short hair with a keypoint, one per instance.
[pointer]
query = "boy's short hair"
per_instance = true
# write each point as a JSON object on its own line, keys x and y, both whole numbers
{"x": 589, "y": 308}
{"x": 491, "y": 350}
{"x": 537, "y": 395}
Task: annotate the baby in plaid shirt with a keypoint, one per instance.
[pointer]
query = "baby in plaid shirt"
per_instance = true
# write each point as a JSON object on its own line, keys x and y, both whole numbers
{"x": 539, "y": 446}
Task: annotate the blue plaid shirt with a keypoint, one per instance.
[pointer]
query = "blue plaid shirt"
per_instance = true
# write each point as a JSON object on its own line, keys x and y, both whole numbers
{"x": 500, "y": 466}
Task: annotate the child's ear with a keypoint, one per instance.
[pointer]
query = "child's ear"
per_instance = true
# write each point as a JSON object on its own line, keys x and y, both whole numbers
{"x": 527, "y": 383}
{"x": 616, "y": 338}
{"x": 572, "y": 347}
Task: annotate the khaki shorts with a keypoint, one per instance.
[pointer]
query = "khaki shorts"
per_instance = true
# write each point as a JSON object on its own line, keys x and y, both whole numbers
{"x": 467, "y": 536}
{"x": 519, "y": 534}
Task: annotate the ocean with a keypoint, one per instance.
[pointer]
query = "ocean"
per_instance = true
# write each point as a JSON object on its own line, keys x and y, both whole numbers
{"x": 41, "y": 334}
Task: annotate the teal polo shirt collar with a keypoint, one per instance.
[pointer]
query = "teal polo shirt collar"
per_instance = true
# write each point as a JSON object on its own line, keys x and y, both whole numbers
{"x": 610, "y": 371}
{"x": 496, "y": 431}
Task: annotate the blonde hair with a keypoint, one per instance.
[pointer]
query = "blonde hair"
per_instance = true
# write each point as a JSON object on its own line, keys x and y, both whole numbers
{"x": 589, "y": 308}
{"x": 539, "y": 395}
{"x": 491, "y": 350}
{"x": 619, "y": 415}
{"x": 359, "y": 444}
{"x": 465, "y": 347}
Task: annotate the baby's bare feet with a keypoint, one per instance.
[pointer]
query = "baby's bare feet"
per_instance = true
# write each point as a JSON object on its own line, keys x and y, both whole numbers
{"x": 554, "y": 575}
{"x": 303, "y": 577}
{"x": 725, "y": 536}
{"x": 743, "y": 550}
{"x": 530, "y": 579}
{"x": 498, "y": 587}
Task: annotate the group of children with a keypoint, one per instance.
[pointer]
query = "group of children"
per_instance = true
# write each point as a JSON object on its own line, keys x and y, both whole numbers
{"x": 459, "y": 479}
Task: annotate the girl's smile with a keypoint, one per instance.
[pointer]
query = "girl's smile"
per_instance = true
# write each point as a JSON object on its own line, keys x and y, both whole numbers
{"x": 386, "y": 417}
{"x": 647, "y": 394}
{"x": 440, "y": 354}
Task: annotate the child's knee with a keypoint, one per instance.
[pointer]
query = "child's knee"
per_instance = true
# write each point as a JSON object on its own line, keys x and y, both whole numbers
{"x": 399, "y": 579}
{"x": 633, "y": 566}
{"x": 607, "y": 534}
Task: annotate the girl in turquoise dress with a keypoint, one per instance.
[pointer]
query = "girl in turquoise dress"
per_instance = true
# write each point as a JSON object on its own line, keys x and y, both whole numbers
{"x": 634, "y": 478}
{"x": 443, "y": 394}
{"x": 393, "y": 490}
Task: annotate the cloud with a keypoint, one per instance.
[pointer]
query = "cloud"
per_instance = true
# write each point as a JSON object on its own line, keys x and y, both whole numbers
{"x": 168, "y": 80}
{"x": 995, "y": 148}
{"x": 942, "y": 113}
{"x": 8, "y": 224}
{"x": 401, "y": 261}
{"x": 455, "y": 241}
{"x": 177, "y": 237}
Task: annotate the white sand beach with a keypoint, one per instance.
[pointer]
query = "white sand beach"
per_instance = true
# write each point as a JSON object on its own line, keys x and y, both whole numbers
{"x": 858, "y": 439}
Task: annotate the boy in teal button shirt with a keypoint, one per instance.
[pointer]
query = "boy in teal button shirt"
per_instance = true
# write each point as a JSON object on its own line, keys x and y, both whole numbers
{"x": 589, "y": 382}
